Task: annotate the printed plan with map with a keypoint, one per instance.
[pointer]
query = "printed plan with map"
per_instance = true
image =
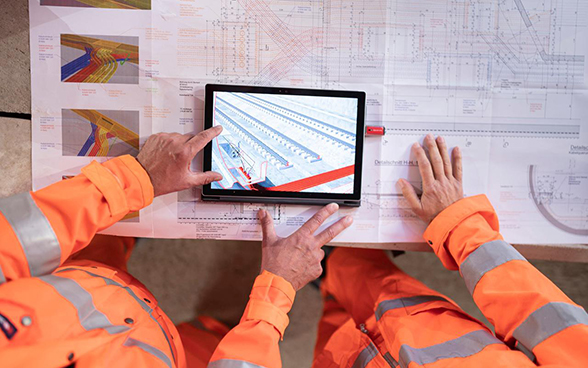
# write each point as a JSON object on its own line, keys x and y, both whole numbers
{"x": 503, "y": 79}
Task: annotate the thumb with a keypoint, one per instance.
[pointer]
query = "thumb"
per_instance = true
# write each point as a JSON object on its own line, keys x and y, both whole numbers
{"x": 267, "y": 226}
{"x": 410, "y": 195}
{"x": 203, "y": 178}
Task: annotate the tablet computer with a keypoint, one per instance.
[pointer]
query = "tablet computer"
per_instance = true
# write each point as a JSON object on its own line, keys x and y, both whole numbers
{"x": 284, "y": 145}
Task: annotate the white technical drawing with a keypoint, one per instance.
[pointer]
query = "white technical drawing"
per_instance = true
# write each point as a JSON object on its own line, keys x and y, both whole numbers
{"x": 561, "y": 196}
{"x": 496, "y": 67}
{"x": 505, "y": 80}
{"x": 190, "y": 212}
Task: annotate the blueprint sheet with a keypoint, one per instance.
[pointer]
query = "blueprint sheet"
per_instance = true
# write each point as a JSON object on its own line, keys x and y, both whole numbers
{"x": 503, "y": 79}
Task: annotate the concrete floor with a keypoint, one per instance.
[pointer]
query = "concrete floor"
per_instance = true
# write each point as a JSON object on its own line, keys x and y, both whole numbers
{"x": 207, "y": 277}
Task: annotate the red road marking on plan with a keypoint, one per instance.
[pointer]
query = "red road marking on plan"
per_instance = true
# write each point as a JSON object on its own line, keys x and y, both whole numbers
{"x": 313, "y": 181}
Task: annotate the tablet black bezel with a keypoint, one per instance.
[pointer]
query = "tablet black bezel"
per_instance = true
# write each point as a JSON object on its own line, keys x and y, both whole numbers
{"x": 271, "y": 196}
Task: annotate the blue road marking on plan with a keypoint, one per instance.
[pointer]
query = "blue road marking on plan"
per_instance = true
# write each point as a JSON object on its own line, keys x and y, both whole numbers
{"x": 89, "y": 142}
{"x": 75, "y": 65}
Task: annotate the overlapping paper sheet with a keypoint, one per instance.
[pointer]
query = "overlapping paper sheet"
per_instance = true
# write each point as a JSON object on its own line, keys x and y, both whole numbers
{"x": 503, "y": 79}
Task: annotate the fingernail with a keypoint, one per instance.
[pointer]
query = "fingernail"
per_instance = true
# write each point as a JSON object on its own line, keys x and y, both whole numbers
{"x": 333, "y": 206}
{"x": 457, "y": 149}
{"x": 416, "y": 145}
{"x": 261, "y": 214}
{"x": 400, "y": 183}
{"x": 430, "y": 136}
{"x": 441, "y": 139}
{"x": 348, "y": 220}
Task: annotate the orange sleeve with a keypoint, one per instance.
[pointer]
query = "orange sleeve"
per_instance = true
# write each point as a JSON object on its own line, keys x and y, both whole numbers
{"x": 253, "y": 343}
{"x": 40, "y": 230}
{"x": 528, "y": 311}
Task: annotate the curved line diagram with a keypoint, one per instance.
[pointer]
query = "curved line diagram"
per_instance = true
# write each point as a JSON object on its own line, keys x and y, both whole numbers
{"x": 548, "y": 216}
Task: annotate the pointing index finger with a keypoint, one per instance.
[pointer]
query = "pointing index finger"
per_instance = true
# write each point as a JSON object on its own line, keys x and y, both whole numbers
{"x": 318, "y": 218}
{"x": 201, "y": 139}
{"x": 332, "y": 231}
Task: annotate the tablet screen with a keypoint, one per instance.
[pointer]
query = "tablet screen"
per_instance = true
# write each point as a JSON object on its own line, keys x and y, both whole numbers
{"x": 284, "y": 143}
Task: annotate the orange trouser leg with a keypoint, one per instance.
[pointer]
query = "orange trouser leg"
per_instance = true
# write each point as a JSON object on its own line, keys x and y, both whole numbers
{"x": 356, "y": 278}
{"x": 334, "y": 316}
{"x": 401, "y": 315}
{"x": 113, "y": 251}
{"x": 200, "y": 338}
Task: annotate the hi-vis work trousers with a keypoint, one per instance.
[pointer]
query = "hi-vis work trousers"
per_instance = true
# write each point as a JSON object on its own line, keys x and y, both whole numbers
{"x": 375, "y": 315}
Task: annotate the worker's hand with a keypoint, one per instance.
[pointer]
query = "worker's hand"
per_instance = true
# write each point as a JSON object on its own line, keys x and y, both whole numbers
{"x": 167, "y": 156}
{"x": 297, "y": 258}
{"x": 442, "y": 183}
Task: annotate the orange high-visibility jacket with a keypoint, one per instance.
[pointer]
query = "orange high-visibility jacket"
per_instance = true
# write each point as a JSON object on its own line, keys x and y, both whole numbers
{"x": 376, "y": 316}
{"x": 527, "y": 310}
{"x": 85, "y": 313}
{"x": 53, "y": 314}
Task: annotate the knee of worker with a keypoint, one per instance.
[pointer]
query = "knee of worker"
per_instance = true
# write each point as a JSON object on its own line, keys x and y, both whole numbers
{"x": 111, "y": 243}
{"x": 356, "y": 278}
{"x": 407, "y": 294}
{"x": 424, "y": 322}
{"x": 405, "y": 301}
{"x": 365, "y": 282}
{"x": 343, "y": 259}
{"x": 341, "y": 346}
{"x": 334, "y": 316}
{"x": 351, "y": 268}
{"x": 113, "y": 251}
{"x": 199, "y": 344}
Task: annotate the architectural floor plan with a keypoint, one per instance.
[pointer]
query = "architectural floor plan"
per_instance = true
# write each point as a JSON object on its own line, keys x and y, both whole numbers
{"x": 503, "y": 79}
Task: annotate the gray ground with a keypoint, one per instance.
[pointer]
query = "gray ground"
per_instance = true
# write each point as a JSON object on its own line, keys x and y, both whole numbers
{"x": 185, "y": 275}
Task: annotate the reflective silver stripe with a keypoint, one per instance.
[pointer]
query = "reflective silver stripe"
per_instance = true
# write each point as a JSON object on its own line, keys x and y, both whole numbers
{"x": 143, "y": 305}
{"x": 2, "y": 277}
{"x": 409, "y": 301}
{"x": 89, "y": 317}
{"x": 462, "y": 347}
{"x": 486, "y": 258}
{"x": 391, "y": 361}
{"x": 526, "y": 351}
{"x": 547, "y": 321}
{"x": 366, "y": 356}
{"x": 231, "y": 363}
{"x": 36, "y": 237}
{"x": 130, "y": 342}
